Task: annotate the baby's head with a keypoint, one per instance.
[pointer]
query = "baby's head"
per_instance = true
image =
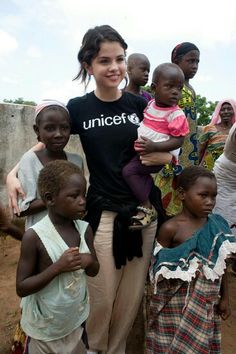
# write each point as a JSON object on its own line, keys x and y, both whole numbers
{"x": 198, "y": 190}
{"x": 62, "y": 187}
{"x": 167, "y": 84}
{"x": 138, "y": 68}
{"x": 186, "y": 55}
{"x": 52, "y": 123}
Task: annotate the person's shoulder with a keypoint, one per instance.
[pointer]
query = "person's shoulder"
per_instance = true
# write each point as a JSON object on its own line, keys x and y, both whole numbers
{"x": 178, "y": 110}
{"x": 189, "y": 89}
{"x": 28, "y": 157}
{"x": 30, "y": 236}
{"x": 135, "y": 98}
{"x": 220, "y": 222}
{"x": 75, "y": 158}
{"x": 76, "y": 101}
{"x": 209, "y": 128}
{"x": 132, "y": 99}
{"x": 170, "y": 226}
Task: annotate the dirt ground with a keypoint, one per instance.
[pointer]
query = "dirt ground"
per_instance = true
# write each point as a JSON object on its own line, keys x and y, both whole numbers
{"x": 9, "y": 306}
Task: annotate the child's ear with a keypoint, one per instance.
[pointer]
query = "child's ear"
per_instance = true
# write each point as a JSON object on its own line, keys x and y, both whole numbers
{"x": 181, "y": 193}
{"x": 48, "y": 199}
{"x": 128, "y": 69}
{"x": 153, "y": 86}
{"x": 36, "y": 130}
{"x": 88, "y": 68}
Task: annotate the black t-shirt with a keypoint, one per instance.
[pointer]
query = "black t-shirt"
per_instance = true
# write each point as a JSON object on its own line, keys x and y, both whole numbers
{"x": 107, "y": 131}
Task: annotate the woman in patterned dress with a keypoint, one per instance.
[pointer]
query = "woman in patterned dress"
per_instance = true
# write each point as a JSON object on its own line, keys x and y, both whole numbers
{"x": 213, "y": 137}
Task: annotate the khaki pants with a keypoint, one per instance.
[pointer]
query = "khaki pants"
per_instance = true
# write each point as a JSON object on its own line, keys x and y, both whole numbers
{"x": 115, "y": 294}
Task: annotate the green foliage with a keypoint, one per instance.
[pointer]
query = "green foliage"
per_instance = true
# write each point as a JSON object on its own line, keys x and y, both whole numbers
{"x": 20, "y": 100}
{"x": 147, "y": 88}
{"x": 204, "y": 110}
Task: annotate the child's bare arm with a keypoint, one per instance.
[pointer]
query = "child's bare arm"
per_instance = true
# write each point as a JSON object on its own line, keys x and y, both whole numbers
{"x": 167, "y": 233}
{"x": 224, "y": 306}
{"x": 145, "y": 145}
{"x": 28, "y": 281}
{"x": 7, "y": 226}
{"x": 14, "y": 231}
{"x": 35, "y": 206}
{"x": 89, "y": 262}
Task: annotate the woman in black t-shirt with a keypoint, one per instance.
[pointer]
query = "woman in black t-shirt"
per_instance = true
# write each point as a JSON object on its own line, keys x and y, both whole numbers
{"x": 106, "y": 120}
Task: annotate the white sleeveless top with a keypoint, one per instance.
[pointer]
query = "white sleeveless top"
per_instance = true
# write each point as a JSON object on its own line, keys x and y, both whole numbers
{"x": 62, "y": 305}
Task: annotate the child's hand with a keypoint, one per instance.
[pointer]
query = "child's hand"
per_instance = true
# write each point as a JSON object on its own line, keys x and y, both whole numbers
{"x": 144, "y": 146}
{"x": 70, "y": 260}
{"x": 86, "y": 260}
{"x": 224, "y": 309}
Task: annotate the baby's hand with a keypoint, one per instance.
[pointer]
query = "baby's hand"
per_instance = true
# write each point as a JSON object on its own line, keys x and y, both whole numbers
{"x": 144, "y": 146}
{"x": 70, "y": 260}
{"x": 224, "y": 309}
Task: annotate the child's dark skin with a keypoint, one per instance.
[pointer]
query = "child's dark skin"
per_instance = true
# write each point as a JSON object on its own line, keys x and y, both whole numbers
{"x": 35, "y": 268}
{"x": 198, "y": 201}
{"x": 7, "y": 226}
{"x": 53, "y": 129}
{"x": 138, "y": 69}
{"x": 167, "y": 90}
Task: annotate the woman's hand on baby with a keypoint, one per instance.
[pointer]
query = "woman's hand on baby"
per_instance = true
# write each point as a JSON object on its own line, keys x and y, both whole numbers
{"x": 156, "y": 158}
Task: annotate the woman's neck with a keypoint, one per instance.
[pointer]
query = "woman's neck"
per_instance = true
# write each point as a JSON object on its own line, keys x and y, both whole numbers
{"x": 106, "y": 95}
{"x": 225, "y": 125}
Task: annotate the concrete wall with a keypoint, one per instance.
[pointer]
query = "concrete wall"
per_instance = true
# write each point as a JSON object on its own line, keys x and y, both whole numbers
{"x": 17, "y": 136}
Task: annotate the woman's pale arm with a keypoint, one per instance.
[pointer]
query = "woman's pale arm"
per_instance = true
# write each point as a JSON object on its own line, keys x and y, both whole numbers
{"x": 13, "y": 190}
{"x": 13, "y": 184}
{"x": 156, "y": 158}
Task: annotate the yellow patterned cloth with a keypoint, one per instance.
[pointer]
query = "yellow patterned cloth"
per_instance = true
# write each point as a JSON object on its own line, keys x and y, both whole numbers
{"x": 166, "y": 180}
{"x": 215, "y": 142}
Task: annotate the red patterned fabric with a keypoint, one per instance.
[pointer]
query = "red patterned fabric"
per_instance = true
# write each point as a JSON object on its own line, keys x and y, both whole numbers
{"x": 183, "y": 318}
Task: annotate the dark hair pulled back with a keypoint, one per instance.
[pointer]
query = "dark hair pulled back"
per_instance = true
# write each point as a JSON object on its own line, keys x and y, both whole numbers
{"x": 91, "y": 45}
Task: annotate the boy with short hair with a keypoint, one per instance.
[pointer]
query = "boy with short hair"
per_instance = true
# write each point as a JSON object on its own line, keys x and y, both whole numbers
{"x": 138, "y": 68}
{"x": 56, "y": 254}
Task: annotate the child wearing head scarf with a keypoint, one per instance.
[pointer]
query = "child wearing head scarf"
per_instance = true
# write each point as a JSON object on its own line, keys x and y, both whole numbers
{"x": 52, "y": 127}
